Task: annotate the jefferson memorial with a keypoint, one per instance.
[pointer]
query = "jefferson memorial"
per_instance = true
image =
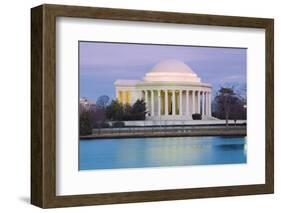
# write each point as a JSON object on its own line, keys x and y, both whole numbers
{"x": 171, "y": 90}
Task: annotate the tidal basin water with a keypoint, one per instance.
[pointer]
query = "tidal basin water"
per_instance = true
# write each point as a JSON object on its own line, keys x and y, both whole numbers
{"x": 161, "y": 152}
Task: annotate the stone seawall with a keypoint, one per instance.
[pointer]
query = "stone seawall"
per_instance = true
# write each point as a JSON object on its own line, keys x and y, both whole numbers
{"x": 146, "y": 123}
{"x": 167, "y": 132}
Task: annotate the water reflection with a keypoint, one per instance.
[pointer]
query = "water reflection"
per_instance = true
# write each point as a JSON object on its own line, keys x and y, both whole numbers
{"x": 156, "y": 152}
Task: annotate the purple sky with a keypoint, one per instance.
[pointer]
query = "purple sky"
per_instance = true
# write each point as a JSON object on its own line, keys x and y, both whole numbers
{"x": 102, "y": 63}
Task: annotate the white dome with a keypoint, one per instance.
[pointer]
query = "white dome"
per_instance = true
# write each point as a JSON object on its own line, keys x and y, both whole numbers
{"x": 172, "y": 65}
{"x": 171, "y": 70}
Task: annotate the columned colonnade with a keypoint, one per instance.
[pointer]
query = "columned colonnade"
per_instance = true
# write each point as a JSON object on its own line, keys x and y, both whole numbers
{"x": 177, "y": 102}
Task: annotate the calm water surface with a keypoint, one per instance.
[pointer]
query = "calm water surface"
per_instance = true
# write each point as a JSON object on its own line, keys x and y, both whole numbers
{"x": 157, "y": 152}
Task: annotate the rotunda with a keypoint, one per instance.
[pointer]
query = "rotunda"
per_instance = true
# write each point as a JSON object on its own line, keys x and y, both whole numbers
{"x": 171, "y": 90}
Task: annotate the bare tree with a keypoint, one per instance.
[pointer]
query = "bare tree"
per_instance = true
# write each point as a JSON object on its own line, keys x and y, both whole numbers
{"x": 102, "y": 101}
{"x": 229, "y": 105}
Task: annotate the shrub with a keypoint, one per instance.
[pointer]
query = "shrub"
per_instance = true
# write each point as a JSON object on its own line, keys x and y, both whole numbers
{"x": 104, "y": 125}
{"x": 196, "y": 116}
{"x": 118, "y": 124}
{"x": 100, "y": 125}
{"x": 85, "y": 124}
{"x": 117, "y": 111}
{"x": 138, "y": 110}
{"x": 95, "y": 125}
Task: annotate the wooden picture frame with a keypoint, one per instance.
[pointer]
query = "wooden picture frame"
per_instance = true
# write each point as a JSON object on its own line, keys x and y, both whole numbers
{"x": 43, "y": 105}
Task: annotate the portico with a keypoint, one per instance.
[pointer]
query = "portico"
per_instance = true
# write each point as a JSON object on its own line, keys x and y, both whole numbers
{"x": 177, "y": 102}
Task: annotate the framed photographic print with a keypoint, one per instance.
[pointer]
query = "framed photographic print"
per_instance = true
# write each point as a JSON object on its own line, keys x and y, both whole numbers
{"x": 137, "y": 106}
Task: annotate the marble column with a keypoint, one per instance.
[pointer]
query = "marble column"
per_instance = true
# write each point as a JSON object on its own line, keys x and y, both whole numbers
{"x": 187, "y": 103}
{"x": 198, "y": 101}
{"x": 207, "y": 103}
{"x": 174, "y": 103}
{"x": 193, "y": 101}
{"x": 180, "y": 105}
{"x": 117, "y": 94}
{"x": 121, "y": 96}
{"x": 152, "y": 102}
{"x": 210, "y": 104}
{"x": 126, "y": 97}
{"x": 166, "y": 102}
{"x": 146, "y": 101}
{"x": 203, "y": 103}
{"x": 159, "y": 102}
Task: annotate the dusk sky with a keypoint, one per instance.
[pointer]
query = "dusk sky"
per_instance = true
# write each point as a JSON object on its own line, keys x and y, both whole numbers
{"x": 103, "y": 63}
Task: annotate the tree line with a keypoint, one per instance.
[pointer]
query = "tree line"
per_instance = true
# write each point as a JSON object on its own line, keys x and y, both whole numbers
{"x": 227, "y": 104}
{"x": 115, "y": 111}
